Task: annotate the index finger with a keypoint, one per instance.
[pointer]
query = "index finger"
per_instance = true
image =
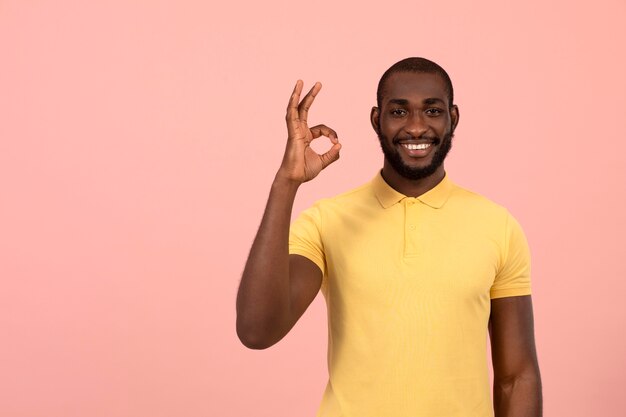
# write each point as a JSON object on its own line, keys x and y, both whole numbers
{"x": 304, "y": 107}
{"x": 292, "y": 107}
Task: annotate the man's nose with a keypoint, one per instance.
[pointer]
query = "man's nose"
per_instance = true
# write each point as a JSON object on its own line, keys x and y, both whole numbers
{"x": 416, "y": 125}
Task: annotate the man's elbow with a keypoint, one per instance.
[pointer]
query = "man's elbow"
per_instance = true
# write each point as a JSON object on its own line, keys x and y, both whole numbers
{"x": 510, "y": 381}
{"x": 526, "y": 384}
{"x": 254, "y": 338}
{"x": 252, "y": 342}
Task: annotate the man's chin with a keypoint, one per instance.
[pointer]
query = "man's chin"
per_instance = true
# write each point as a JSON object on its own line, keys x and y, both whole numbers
{"x": 417, "y": 164}
{"x": 414, "y": 172}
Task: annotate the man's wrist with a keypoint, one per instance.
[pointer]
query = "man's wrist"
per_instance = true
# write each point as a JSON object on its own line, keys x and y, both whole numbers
{"x": 284, "y": 183}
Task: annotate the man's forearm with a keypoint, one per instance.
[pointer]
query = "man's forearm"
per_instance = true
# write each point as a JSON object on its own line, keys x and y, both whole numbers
{"x": 518, "y": 397}
{"x": 263, "y": 296}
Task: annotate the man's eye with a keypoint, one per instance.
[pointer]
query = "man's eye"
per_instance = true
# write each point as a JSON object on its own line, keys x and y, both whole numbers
{"x": 398, "y": 112}
{"x": 434, "y": 112}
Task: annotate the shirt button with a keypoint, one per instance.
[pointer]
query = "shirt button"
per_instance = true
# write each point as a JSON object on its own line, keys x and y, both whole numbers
{"x": 412, "y": 226}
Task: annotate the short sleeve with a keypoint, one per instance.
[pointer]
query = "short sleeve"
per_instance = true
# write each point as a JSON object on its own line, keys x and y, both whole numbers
{"x": 513, "y": 276}
{"x": 305, "y": 237}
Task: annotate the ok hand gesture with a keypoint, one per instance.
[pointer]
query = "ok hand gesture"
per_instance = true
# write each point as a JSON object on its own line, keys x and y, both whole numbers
{"x": 300, "y": 162}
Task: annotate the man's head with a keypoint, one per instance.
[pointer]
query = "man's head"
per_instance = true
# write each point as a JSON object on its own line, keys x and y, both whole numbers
{"x": 415, "y": 118}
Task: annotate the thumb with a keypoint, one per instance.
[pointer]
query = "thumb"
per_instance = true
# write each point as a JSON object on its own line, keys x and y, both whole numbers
{"x": 331, "y": 156}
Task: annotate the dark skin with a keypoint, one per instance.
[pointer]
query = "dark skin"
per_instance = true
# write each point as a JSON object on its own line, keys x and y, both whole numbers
{"x": 276, "y": 288}
{"x": 414, "y": 107}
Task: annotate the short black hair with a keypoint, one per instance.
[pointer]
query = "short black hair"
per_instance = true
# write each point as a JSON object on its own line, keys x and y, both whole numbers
{"x": 419, "y": 65}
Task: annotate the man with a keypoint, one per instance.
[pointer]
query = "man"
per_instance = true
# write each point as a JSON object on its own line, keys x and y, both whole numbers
{"x": 415, "y": 269}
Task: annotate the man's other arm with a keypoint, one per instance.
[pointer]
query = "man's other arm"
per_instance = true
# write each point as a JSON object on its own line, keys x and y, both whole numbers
{"x": 276, "y": 288}
{"x": 517, "y": 381}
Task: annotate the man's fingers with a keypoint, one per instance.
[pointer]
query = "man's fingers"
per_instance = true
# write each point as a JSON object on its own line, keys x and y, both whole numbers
{"x": 333, "y": 153}
{"x": 331, "y": 156}
{"x": 292, "y": 107}
{"x": 303, "y": 108}
{"x": 323, "y": 130}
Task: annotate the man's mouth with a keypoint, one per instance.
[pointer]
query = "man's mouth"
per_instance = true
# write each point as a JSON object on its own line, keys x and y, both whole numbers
{"x": 418, "y": 149}
{"x": 414, "y": 146}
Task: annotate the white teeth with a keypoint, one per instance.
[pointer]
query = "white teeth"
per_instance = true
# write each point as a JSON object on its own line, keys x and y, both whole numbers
{"x": 414, "y": 146}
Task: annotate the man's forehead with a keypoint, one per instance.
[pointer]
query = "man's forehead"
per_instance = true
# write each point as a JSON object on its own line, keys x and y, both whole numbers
{"x": 415, "y": 85}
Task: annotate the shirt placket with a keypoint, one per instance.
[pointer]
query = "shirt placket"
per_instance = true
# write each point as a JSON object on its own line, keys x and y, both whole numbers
{"x": 411, "y": 226}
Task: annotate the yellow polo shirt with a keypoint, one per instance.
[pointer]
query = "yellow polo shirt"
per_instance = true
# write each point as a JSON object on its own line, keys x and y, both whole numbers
{"x": 408, "y": 283}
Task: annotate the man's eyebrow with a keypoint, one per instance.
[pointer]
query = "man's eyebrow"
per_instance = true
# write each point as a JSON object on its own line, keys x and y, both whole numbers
{"x": 399, "y": 101}
{"x": 427, "y": 101}
{"x": 433, "y": 100}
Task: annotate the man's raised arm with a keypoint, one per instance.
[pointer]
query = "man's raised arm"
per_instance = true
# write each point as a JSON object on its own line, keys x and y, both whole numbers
{"x": 276, "y": 288}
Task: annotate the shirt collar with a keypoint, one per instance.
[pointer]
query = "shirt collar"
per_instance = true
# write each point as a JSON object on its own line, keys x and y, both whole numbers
{"x": 436, "y": 197}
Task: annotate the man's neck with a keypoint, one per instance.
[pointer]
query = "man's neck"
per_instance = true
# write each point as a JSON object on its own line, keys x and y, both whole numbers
{"x": 411, "y": 188}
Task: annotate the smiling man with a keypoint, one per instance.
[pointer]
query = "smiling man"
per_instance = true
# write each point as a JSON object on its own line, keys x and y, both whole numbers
{"x": 416, "y": 271}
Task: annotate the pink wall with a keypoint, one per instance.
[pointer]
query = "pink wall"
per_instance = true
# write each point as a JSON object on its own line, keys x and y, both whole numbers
{"x": 138, "y": 142}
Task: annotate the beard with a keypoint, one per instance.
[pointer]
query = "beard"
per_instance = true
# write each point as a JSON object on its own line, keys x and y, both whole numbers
{"x": 416, "y": 173}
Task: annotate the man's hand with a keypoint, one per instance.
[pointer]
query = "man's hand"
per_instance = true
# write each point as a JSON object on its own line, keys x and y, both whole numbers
{"x": 300, "y": 162}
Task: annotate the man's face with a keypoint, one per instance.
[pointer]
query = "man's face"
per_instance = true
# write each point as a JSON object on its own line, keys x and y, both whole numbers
{"x": 415, "y": 123}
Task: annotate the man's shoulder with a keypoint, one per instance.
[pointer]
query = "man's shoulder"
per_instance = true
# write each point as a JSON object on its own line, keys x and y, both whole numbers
{"x": 361, "y": 194}
{"x": 460, "y": 191}
{"x": 467, "y": 199}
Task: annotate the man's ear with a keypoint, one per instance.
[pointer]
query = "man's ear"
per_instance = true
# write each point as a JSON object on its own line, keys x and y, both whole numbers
{"x": 454, "y": 116}
{"x": 374, "y": 119}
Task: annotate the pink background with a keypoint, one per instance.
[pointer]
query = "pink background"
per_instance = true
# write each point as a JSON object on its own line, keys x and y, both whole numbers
{"x": 138, "y": 141}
